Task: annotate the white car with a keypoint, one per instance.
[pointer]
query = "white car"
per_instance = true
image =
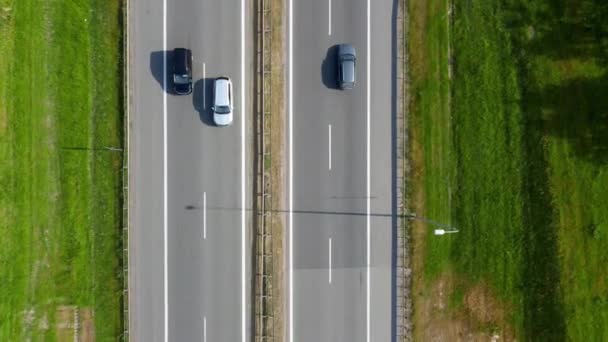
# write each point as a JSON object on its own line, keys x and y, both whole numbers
{"x": 222, "y": 101}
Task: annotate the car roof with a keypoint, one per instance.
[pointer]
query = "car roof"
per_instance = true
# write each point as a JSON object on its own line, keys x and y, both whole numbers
{"x": 348, "y": 71}
{"x": 181, "y": 60}
{"x": 221, "y": 91}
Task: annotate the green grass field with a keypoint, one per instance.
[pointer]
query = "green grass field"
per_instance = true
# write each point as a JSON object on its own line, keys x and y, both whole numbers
{"x": 60, "y": 206}
{"x": 514, "y": 153}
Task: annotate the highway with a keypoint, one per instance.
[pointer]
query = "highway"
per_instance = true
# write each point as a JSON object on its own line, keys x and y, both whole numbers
{"x": 190, "y": 182}
{"x": 340, "y": 176}
{"x": 190, "y": 187}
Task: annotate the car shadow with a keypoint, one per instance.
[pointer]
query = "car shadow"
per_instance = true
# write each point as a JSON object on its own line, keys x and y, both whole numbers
{"x": 202, "y": 100}
{"x": 156, "y": 68}
{"x": 329, "y": 71}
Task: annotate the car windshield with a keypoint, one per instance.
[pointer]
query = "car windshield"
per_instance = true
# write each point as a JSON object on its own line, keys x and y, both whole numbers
{"x": 222, "y": 109}
{"x": 347, "y": 57}
{"x": 181, "y": 79}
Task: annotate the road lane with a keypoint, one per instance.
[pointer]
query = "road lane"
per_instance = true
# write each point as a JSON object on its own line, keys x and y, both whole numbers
{"x": 356, "y": 305}
{"x": 382, "y": 169}
{"x": 205, "y": 158}
{"x": 207, "y": 250}
{"x": 328, "y": 204}
{"x": 146, "y": 298}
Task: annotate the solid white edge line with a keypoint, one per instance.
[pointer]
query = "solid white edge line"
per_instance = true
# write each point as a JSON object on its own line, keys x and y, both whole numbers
{"x": 330, "y": 260}
{"x": 329, "y": 27}
{"x": 165, "y": 203}
{"x": 243, "y": 202}
{"x": 329, "y": 138}
{"x": 368, "y": 204}
{"x": 204, "y": 215}
{"x": 290, "y": 95}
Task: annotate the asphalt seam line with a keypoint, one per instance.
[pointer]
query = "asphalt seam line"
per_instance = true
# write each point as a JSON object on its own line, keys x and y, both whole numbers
{"x": 165, "y": 202}
{"x": 243, "y": 178}
{"x": 368, "y": 186}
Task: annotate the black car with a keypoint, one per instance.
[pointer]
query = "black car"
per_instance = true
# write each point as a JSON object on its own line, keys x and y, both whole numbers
{"x": 182, "y": 71}
{"x": 347, "y": 59}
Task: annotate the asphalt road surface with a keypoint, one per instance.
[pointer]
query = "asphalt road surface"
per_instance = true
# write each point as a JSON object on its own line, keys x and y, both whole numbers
{"x": 341, "y": 173}
{"x": 189, "y": 241}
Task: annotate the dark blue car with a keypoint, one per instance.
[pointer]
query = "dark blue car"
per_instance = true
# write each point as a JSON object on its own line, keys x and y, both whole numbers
{"x": 347, "y": 58}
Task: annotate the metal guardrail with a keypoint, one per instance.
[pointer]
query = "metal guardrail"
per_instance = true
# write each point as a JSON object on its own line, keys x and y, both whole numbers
{"x": 403, "y": 269}
{"x": 263, "y": 306}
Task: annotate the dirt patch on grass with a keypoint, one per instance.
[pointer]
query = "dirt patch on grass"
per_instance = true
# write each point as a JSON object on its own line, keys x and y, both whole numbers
{"x": 482, "y": 306}
{"x": 418, "y": 36}
{"x": 442, "y": 316}
{"x": 87, "y": 325}
{"x": 64, "y": 323}
{"x": 74, "y": 324}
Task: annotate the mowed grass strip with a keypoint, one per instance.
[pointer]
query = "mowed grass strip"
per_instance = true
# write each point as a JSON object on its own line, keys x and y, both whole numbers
{"x": 564, "y": 58}
{"x": 517, "y": 162}
{"x": 488, "y": 198}
{"x": 468, "y": 131}
{"x": 60, "y": 209}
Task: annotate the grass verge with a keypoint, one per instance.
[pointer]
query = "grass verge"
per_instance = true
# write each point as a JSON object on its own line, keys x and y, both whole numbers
{"x": 269, "y": 324}
{"x": 60, "y": 210}
{"x": 277, "y": 165}
{"x": 515, "y": 157}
